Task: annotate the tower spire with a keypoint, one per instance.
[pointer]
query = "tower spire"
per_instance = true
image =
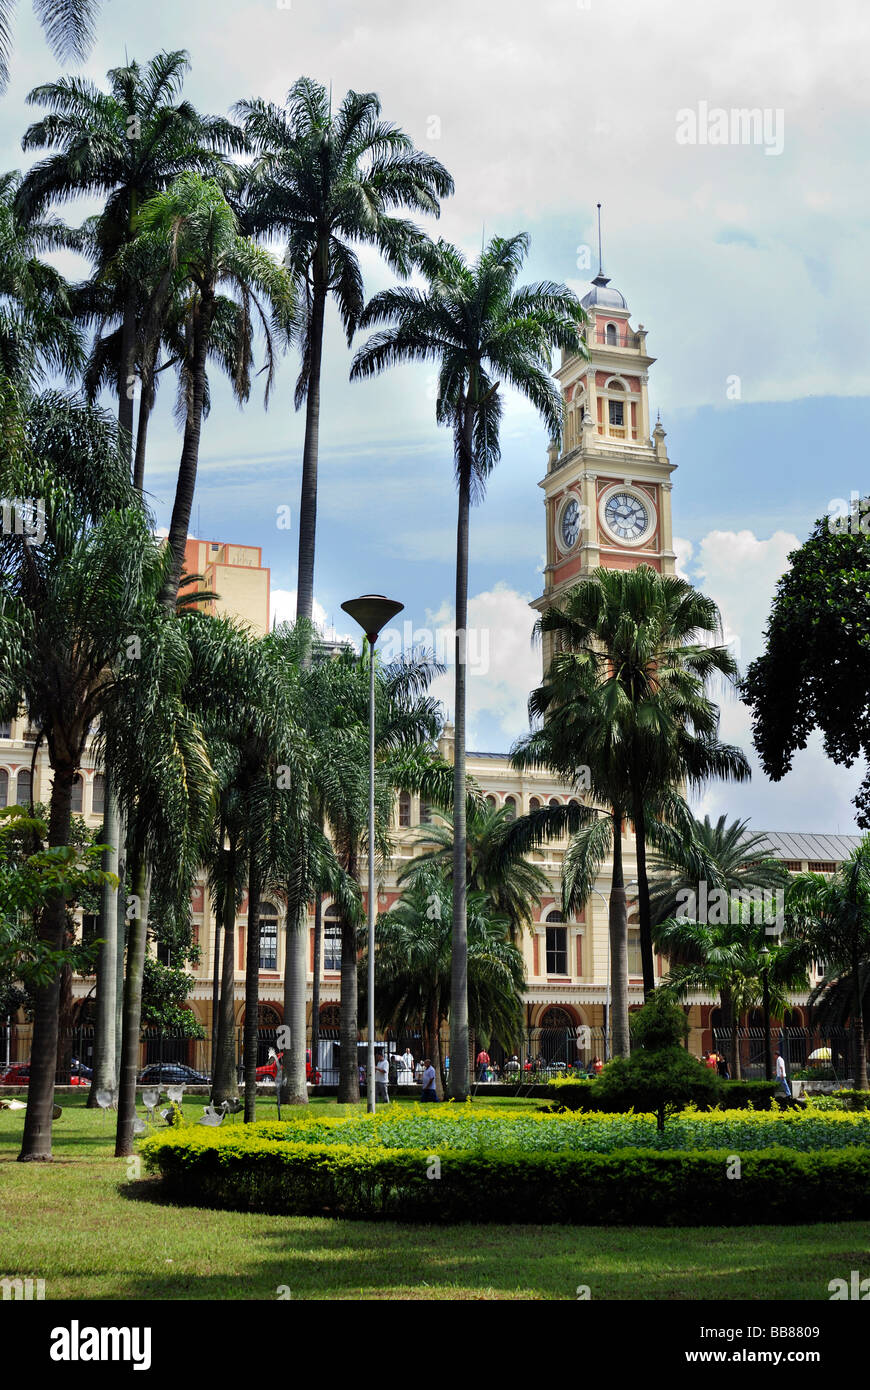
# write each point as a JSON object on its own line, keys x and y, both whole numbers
{"x": 600, "y": 263}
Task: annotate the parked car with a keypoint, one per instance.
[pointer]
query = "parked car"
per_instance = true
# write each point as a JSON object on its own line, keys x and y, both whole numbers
{"x": 270, "y": 1070}
{"x": 19, "y": 1075}
{"x": 172, "y": 1074}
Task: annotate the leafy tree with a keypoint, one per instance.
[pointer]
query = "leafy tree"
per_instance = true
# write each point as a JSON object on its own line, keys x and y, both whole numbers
{"x": 328, "y": 182}
{"x": 164, "y": 991}
{"x": 478, "y": 328}
{"x": 832, "y": 917}
{"x": 814, "y": 672}
{"x": 660, "y": 1075}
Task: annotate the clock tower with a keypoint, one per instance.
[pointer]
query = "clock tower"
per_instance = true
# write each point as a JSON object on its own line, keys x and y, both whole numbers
{"x": 607, "y": 493}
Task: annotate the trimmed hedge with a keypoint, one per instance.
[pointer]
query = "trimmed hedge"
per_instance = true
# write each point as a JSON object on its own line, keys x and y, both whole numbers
{"x": 735, "y": 1095}
{"x": 630, "y": 1187}
{"x": 841, "y": 1100}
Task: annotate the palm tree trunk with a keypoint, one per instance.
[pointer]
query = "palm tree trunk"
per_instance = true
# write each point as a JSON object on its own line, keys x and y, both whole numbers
{"x": 224, "y": 1081}
{"x": 315, "y": 983}
{"x": 252, "y": 990}
{"x": 643, "y": 907}
{"x": 120, "y": 958}
{"x": 618, "y": 925}
{"x": 216, "y": 987}
{"x": 186, "y": 484}
{"x": 131, "y": 1030}
{"x": 141, "y": 443}
{"x": 458, "y": 1081}
{"x": 434, "y": 1031}
{"x": 348, "y": 1073}
{"x": 768, "y": 1037}
{"x": 36, "y": 1143}
{"x": 308, "y": 498}
{"x": 294, "y": 1088}
{"x": 858, "y": 1025}
{"x": 127, "y": 371}
{"x": 107, "y": 930}
{"x": 729, "y": 1012}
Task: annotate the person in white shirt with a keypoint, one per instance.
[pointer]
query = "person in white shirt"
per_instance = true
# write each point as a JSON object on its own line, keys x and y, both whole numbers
{"x": 382, "y": 1071}
{"x": 428, "y": 1081}
{"x": 407, "y": 1061}
{"x": 781, "y": 1076}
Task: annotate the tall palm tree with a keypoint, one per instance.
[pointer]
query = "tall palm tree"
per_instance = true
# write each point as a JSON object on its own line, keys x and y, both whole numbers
{"x": 125, "y": 145}
{"x": 66, "y": 608}
{"x": 329, "y": 182}
{"x": 196, "y": 228}
{"x": 644, "y": 641}
{"x": 514, "y": 885}
{"x": 478, "y": 327}
{"x": 69, "y": 29}
{"x": 413, "y": 970}
{"x": 832, "y": 916}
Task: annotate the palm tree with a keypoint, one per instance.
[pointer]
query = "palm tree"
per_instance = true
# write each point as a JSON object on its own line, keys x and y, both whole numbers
{"x": 513, "y": 885}
{"x": 832, "y": 917}
{"x": 413, "y": 966}
{"x": 407, "y": 723}
{"x": 66, "y": 607}
{"x": 124, "y": 145}
{"x": 478, "y": 327}
{"x": 198, "y": 231}
{"x": 734, "y": 959}
{"x": 69, "y": 29}
{"x": 724, "y": 857}
{"x": 37, "y": 336}
{"x": 639, "y": 637}
{"x": 329, "y": 182}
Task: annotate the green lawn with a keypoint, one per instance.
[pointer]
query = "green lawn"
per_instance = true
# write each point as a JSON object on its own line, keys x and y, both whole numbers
{"x": 80, "y": 1224}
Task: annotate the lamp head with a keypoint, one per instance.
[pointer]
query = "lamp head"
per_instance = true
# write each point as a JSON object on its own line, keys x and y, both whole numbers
{"x": 372, "y": 612}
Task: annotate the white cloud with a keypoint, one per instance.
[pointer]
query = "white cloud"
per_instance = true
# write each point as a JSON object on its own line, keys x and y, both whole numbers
{"x": 283, "y": 610}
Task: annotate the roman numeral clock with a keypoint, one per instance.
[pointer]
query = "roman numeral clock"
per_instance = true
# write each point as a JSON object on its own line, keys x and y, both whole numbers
{"x": 607, "y": 490}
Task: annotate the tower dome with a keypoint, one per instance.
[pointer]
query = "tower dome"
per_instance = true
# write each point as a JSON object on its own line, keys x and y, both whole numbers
{"x": 600, "y": 296}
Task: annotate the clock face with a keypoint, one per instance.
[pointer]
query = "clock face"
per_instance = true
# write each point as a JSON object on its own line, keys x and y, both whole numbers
{"x": 626, "y": 516}
{"x": 570, "y": 524}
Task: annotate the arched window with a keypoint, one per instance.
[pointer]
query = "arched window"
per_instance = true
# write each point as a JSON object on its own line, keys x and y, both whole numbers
{"x": 611, "y": 334}
{"x": 98, "y": 795}
{"x": 556, "y": 1018}
{"x": 534, "y": 804}
{"x": 554, "y": 801}
{"x": 425, "y": 813}
{"x": 555, "y": 915}
{"x": 330, "y": 1017}
{"x": 404, "y": 809}
{"x": 557, "y": 943}
{"x": 268, "y": 936}
{"x": 573, "y": 801}
{"x": 510, "y": 807}
{"x": 491, "y": 803}
{"x": 4, "y": 787}
{"x": 332, "y": 940}
{"x": 22, "y": 789}
{"x": 75, "y": 800}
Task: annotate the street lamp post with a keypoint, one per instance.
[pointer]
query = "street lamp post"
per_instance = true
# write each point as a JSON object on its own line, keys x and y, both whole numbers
{"x": 372, "y": 612}
{"x": 607, "y": 989}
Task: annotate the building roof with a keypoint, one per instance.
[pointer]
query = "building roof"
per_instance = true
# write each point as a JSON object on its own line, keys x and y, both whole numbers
{"x": 793, "y": 844}
{"x": 602, "y": 296}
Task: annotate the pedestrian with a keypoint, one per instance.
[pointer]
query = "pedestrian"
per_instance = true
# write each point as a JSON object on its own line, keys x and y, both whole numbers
{"x": 710, "y": 1060}
{"x": 482, "y": 1064}
{"x": 782, "y": 1075}
{"x": 722, "y": 1067}
{"x": 362, "y": 1079}
{"x": 596, "y": 1065}
{"x": 428, "y": 1081}
{"x": 407, "y": 1060}
{"x": 394, "y": 1069}
{"x": 382, "y": 1069}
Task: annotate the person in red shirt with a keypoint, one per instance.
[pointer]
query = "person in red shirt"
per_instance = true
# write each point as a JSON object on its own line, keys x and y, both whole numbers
{"x": 482, "y": 1064}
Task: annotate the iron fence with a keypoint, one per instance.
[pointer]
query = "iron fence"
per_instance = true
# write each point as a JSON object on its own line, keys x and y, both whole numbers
{"x": 809, "y": 1053}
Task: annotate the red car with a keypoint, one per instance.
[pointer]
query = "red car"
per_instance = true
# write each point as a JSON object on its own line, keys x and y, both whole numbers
{"x": 19, "y": 1075}
{"x": 270, "y": 1070}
